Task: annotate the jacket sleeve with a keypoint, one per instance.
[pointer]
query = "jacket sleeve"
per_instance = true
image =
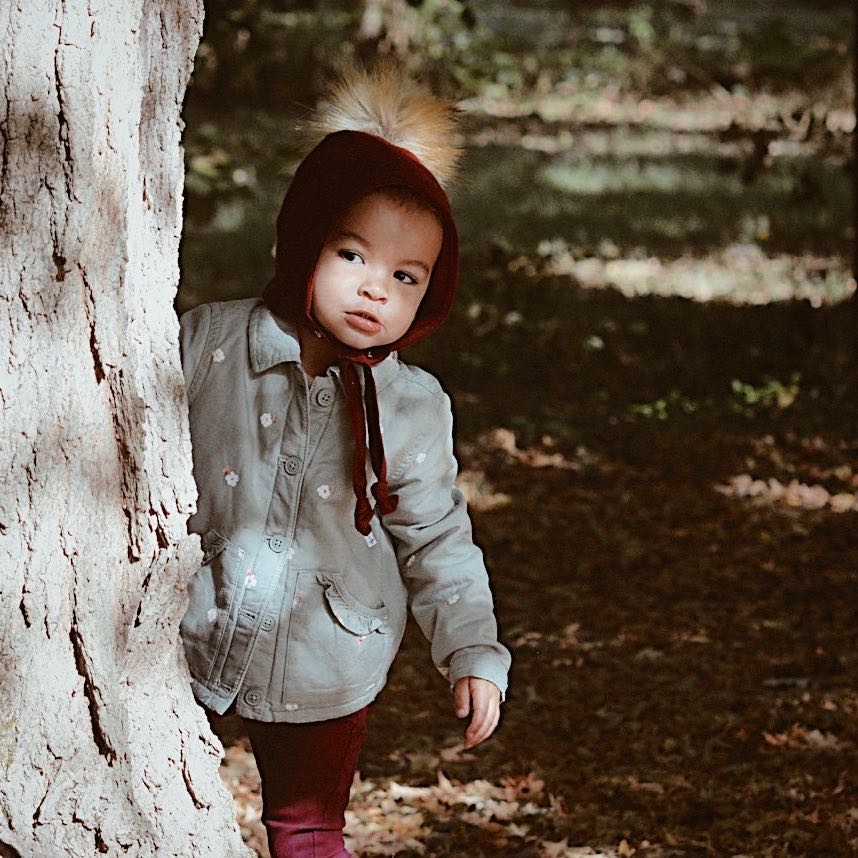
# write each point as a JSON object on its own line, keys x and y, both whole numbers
{"x": 443, "y": 569}
{"x": 195, "y": 327}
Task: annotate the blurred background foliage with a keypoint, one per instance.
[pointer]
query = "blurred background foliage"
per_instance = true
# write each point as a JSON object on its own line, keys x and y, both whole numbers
{"x": 684, "y": 149}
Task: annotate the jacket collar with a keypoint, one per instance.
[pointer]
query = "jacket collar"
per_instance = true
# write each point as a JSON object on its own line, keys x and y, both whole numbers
{"x": 273, "y": 340}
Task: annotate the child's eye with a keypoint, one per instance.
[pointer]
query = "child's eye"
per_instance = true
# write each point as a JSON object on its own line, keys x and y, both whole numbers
{"x": 349, "y": 255}
{"x": 412, "y": 281}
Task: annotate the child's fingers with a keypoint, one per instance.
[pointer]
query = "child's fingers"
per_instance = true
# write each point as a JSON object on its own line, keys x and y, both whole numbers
{"x": 493, "y": 724}
{"x": 480, "y": 731}
{"x": 462, "y": 697}
{"x": 485, "y": 719}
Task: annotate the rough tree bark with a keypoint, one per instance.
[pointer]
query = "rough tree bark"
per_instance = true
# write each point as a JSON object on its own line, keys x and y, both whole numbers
{"x": 102, "y": 748}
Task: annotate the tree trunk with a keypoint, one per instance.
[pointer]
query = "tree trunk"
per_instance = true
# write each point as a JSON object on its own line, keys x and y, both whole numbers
{"x": 102, "y": 748}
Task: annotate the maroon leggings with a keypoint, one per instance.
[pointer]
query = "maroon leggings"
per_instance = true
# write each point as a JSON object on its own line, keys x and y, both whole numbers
{"x": 306, "y": 770}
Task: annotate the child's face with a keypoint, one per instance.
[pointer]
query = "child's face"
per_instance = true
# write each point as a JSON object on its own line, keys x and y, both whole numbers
{"x": 374, "y": 270}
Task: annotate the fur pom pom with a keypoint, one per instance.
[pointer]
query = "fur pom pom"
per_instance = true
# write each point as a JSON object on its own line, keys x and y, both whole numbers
{"x": 386, "y": 102}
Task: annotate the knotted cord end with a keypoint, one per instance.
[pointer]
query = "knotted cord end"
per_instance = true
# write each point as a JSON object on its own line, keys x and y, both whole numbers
{"x": 387, "y": 503}
{"x": 363, "y": 516}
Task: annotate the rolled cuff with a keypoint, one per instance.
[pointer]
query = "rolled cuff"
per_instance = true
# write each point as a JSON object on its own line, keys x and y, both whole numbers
{"x": 482, "y": 663}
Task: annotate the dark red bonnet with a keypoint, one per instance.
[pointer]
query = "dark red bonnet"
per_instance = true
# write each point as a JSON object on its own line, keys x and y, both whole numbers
{"x": 342, "y": 168}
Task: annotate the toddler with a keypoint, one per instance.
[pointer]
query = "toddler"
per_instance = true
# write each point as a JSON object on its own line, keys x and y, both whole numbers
{"x": 298, "y": 402}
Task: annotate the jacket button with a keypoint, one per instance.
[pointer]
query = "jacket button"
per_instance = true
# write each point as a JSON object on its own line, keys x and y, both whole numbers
{"x": 324, "y": 398}
{"x": 292, "y": 465}
{"x": 268, "y": 624}
{"x": 252, "y": 697}
{"x": 276, "y": 543}
{"x": 291, "y": 707}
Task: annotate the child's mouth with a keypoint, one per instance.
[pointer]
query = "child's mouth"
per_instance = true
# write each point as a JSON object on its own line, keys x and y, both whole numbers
{"x": 364, "y": 321}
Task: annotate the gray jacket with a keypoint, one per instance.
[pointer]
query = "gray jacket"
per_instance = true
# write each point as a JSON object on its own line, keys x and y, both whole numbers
{"x": 293, "y": 611}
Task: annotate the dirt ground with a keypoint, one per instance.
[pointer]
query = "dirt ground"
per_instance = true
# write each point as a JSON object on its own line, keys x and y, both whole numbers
{"x": 676, "y": 582}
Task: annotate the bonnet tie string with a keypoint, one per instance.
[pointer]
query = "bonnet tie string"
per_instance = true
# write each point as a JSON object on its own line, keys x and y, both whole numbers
{"x": 387, "y": 502}
{"x": 366, "y": 422}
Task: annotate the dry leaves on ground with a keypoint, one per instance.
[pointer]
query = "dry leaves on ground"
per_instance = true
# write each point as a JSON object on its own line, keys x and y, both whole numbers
{"x": 386, "y": 817}
{"x": 794, "y": 494}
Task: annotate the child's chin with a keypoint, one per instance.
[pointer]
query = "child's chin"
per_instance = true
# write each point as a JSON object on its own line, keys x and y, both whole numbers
{"x": 364, "y": 343}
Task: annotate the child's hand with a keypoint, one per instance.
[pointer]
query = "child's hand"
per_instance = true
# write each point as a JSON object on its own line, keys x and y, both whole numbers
{"x": 472, "y": 694}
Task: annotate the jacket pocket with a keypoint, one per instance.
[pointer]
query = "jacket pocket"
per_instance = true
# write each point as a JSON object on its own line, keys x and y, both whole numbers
{"x": 208, "y": 624}
{"x": 351, "y": 614}
{"x": 337, "y": 648}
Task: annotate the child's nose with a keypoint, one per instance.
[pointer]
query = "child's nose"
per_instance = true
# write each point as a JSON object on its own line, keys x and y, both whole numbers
{"x": 373, "y": 288}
